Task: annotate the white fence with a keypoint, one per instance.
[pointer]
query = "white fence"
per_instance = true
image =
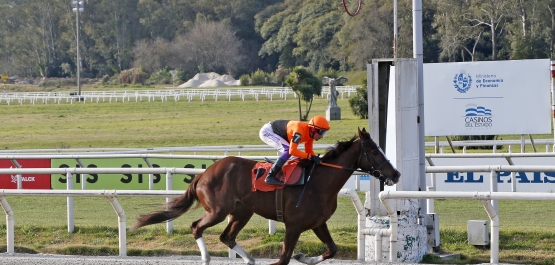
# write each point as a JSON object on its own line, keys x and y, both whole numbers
{"x": 486, "y": 198}
{"x": 225, "y": 149}
{"x": 162, "y": 95}
{"x": 548, "y": 144}
{"x": 112, "y": 195}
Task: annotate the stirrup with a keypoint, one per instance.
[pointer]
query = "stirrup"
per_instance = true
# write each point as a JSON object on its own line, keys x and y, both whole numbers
{"x": 273, "y": 181}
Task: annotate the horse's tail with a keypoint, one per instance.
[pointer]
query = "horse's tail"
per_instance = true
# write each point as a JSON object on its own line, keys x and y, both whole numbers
{"x": 174, "y": 208}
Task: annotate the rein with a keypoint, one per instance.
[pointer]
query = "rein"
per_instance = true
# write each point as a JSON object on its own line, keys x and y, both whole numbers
{"x": 374, "y": 171}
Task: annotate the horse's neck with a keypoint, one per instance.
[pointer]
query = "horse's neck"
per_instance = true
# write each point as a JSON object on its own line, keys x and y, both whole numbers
{"x": 348, "y": 159}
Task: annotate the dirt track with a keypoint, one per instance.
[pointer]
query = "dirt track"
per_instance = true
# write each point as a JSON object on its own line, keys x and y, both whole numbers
{"x": 35, "y": 259}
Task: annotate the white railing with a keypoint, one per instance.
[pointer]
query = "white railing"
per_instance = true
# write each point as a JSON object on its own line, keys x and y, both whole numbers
{"x": 495, "y": 144}
{"x": 162, "y": 95}
{"x": 486, "y": 198}
{"x": 492, "y": 169}
{"x": 112, "y": 195}
{"x": 245, "y": 148}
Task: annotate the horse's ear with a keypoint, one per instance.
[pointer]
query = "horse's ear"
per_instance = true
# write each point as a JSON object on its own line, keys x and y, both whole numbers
{"x": 363, "y": 129}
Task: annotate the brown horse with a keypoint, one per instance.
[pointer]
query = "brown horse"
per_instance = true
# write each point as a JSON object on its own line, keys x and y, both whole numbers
{"x": 225, "y": 189}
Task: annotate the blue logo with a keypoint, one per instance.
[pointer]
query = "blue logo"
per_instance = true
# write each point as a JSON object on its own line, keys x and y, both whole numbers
{"x": 462, "y": 82}
{"x": 473, "y": 110}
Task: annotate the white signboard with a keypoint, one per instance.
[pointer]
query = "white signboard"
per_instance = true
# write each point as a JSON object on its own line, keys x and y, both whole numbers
{"x": 481, "y": 181}
{"x": 487, "y": 98}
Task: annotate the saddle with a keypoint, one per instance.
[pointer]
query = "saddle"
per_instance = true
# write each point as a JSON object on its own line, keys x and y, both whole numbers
{"x": 292, "y": 173}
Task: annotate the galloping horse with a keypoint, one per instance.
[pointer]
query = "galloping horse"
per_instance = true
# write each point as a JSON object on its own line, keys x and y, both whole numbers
{"x": 225, "y": 189}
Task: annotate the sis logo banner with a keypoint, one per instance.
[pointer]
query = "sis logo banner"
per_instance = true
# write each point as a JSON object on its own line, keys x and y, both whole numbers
{"x": 487, "y": 98}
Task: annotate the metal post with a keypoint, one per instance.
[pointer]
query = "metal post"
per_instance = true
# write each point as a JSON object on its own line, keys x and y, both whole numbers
{"x": 70, "y": 213}
{"x": 553, "y": 97}
{"x": 78, "y": 6}
{"x": 78, "y": 58}
{"x": 395, "y": 29}
{"x": 418, "y": 54}
{"x": 169, "y": 186}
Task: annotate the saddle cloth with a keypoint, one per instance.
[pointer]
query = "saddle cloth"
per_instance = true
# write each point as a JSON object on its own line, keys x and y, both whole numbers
{"x": 290, "y": 173}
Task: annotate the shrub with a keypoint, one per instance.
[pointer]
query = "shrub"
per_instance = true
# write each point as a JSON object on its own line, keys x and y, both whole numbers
{"x": 245, "y": 80}
{"x": 259, "y": 77}
{"x": 132, "y": 76}
{"x": 281, "y": 74}
{"x": 331, "y": 73}
{"x": 105, "y": 79}
{"x": 359, "y": 103}
{"x": 163, "y": 76}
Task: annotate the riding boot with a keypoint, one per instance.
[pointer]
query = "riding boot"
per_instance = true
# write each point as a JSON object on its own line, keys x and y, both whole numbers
{"x": 271, "y": 177}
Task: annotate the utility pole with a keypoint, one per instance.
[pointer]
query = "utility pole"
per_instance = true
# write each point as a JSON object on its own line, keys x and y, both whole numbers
{"x": 78, "y": 7}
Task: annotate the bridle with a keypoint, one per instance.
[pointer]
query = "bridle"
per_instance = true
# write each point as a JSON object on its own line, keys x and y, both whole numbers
{"x": 373, "y": 171}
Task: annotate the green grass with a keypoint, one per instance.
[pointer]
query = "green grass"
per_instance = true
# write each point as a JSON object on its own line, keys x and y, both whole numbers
{"x": 156, "y": 124}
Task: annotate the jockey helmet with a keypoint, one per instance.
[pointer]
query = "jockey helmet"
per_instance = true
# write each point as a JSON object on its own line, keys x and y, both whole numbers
{"x": 319, "y": 122}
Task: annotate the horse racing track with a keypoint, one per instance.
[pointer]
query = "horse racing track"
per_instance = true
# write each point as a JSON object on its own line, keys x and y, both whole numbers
{"x": 34, "y": 259}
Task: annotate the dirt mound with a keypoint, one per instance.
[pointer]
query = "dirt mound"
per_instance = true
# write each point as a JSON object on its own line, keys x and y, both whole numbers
{"x": 210, "y": 80}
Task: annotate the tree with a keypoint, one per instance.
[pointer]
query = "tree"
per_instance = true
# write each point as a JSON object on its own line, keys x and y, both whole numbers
{"x": 305, "y": 84}
{"x": 300, "y": 32}
{"x": 457, "y": 36}
{"x": 359, "y": 103}
{"x": 207, "y": 47}
{"x": 109, "y": 30}
{"x": 210, "y": 47}
{"x": 493, "y": 14}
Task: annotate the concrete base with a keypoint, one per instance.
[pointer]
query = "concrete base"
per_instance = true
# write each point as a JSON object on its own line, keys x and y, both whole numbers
{"x": 333, "y": 113}
{"x": 411, "y": 237}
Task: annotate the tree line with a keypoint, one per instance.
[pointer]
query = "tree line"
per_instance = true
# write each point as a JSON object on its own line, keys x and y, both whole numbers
{"x": 38, "y": 38}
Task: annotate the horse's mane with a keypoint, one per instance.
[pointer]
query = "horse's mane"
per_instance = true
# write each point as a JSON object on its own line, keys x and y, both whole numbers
{"x": 340, "y": 147}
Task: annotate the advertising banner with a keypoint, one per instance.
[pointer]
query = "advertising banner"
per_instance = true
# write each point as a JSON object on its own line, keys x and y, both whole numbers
{"x": 481, "y": 181}
{"x": 487, "y": 98}
{"x": 28, "y": 181}
{"x": 126, "y": 181}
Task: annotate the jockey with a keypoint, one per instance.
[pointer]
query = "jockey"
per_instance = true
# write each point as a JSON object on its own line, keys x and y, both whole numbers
{"x": 286, "y": 135}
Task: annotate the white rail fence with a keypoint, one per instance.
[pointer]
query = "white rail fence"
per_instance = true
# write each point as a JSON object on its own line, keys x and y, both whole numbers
{"x": 169, "y": 194}
{"x": 495, "y": 144}
{"x": 111, "y": 196}
{"x": 486, "y": 198}
{"x": 228, "y": 94}
{"x": 226, "y": 149}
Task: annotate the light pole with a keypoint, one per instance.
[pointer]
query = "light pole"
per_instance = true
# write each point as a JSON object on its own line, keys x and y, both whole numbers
{"x": 78, "y": 7}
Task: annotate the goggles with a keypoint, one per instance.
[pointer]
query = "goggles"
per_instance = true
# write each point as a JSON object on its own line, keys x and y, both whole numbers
{"x": 322, "y": 132}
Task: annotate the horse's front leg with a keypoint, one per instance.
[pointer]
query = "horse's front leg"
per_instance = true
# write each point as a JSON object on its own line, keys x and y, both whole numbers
{"x": 323, "y": 234}
{"x": 292, "y": 234}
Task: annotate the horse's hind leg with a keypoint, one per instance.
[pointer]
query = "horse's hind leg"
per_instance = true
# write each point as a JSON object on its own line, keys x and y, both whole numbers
{"x": 237, "y": 221}
{"x": 324, "y": 235}
{"x": 209, "y": 219}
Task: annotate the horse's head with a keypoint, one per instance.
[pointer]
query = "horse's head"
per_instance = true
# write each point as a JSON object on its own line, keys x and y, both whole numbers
{"x": 374, "y": 160}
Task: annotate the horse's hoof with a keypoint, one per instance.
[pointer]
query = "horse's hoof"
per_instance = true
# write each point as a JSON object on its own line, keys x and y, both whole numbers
{"x": 299, "y": 256}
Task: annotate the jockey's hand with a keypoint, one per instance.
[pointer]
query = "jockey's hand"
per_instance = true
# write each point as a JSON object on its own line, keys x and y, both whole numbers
{"x": 316, "y": 159}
